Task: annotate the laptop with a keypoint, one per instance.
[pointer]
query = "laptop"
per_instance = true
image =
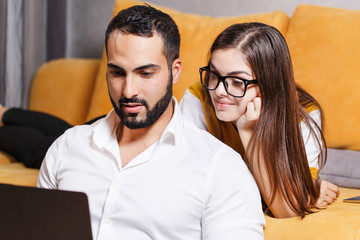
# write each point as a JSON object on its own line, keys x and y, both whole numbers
{"x": 34, "y": 213}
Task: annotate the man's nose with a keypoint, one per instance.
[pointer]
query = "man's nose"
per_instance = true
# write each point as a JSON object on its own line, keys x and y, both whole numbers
{"x": 131, "y": 88}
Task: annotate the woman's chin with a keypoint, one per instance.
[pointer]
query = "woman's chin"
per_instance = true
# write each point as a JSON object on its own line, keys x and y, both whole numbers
{"x": 223, "y": 116}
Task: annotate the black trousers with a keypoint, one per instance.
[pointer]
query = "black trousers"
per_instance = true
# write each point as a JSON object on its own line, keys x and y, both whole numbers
{"x": 27, "y": 135}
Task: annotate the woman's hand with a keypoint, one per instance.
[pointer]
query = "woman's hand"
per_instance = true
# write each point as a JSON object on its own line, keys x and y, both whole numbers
{"x": 328, "y": 193}
{"x": 246, "y": 123}
{"x": 248, "y": 120}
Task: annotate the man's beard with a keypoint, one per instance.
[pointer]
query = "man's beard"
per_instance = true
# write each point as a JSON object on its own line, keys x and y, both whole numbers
{"x": 129, "y": 119}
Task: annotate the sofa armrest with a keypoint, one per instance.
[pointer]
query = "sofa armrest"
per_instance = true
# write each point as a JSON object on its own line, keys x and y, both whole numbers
{"x": 340, "y": 221}
{"x": 342, "y": 168}
{"x": 64, "y": 87}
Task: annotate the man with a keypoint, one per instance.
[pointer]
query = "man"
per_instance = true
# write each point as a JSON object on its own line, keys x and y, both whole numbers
{"x": 147, "y": 172}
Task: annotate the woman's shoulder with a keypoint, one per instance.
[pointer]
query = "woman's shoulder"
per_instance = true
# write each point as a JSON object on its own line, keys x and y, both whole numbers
{"x": 198, "y": 91}
{"x": 313, "y": 112}
{"x": 311, "y": 108}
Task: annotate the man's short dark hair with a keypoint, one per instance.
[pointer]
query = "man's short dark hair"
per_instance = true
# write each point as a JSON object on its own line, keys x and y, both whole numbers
{"x": 144, "y": 20}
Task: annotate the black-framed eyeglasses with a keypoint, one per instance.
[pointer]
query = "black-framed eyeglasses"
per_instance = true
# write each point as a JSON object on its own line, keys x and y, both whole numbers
{"x": 234, "y": 86}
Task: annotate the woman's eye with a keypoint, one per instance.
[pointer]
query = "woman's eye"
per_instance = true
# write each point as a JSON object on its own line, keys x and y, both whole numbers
{"x": 213, "y": 76}
{"x": 236, "y": 82}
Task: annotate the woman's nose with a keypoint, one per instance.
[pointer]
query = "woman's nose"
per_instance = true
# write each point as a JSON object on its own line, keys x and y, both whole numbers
{"x": 220, "y": 90}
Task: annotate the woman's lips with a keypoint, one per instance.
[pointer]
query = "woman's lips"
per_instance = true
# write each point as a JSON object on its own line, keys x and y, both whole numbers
{"x": 222, "y": 104}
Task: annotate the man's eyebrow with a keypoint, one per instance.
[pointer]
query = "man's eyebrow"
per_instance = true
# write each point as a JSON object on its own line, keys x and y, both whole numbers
{"x": 115, "y": 66}
{"x": 147, "y": 66}
{"x": 111, "y": 65}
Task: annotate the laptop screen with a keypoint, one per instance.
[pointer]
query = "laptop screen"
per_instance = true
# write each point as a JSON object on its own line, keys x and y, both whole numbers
{"x": 34, "y": 213}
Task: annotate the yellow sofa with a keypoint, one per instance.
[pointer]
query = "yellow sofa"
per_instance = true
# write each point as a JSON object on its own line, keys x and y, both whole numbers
{"x": 325, "y": 51}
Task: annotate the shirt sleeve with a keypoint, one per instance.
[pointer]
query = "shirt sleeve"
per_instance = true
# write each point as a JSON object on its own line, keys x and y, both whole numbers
{"x": 234, "y": 209}
{"x": 192, "y": 110}
{"x": 310, "y": 140}
{"x": 47, "y": 174}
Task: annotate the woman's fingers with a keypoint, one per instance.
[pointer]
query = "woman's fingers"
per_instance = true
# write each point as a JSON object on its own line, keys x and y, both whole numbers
{"x": 333, "y": 188}
{"x": 329, "y": 189}
{"x": 331, "y": 194}
{"x": 257, "y": 103}
{"x": 328, "y": 193}
{"x": 253, "y": 109}
{"x": 324, "y": 201}
{"x": 249, "y": 118}
{"x": 250, "y": 110}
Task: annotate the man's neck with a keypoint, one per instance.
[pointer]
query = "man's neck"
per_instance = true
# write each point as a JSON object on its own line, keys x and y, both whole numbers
{"x": 132, "y": 142}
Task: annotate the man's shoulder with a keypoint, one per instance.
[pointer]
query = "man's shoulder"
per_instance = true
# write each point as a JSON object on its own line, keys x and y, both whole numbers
{"x": 223, "y": 161}
{"x": 206, "y": 141}
{"x": 77, "y": 134}
{"x": 78, "y": 131}
{"x": 194, "y": 131}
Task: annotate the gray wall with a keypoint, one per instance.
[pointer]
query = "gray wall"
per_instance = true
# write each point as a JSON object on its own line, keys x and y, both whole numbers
{"x": 86, "y": 25}
{"x": 87, "y": 19}
{"x": 34, "y": 52}
{"x": 13, "y": 53}
{"x": 240, "y": 7}
{"x": 3, "y": 49}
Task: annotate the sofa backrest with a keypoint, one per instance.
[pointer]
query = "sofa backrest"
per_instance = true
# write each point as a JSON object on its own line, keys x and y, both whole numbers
{"x": 197, "y": 34}
{"x": 64, "y": 88}
{"x": 325, "y": 48}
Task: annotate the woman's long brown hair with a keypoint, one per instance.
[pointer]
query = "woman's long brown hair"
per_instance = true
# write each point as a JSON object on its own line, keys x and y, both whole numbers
{"x": 277, "y": 134}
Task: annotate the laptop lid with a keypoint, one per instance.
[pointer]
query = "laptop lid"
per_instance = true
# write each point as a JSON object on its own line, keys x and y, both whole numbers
{"x": 34, "y": 213}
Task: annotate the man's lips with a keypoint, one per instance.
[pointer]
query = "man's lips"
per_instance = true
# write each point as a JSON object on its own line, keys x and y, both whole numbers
{"x": 132, "y": 107}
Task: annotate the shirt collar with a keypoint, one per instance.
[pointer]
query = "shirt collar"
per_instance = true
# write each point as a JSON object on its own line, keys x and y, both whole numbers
{"x": 105, "y": 129}
{"x": 174, "y": 129}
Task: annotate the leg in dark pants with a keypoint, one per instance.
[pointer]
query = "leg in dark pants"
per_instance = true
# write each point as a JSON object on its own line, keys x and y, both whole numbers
{"x": 47, "y": 124}
{"x": 25, "y": 144}
{"x": 27, "y": 135}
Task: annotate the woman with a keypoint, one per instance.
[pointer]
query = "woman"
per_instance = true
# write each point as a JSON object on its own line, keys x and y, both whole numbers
{"x": 260, "y": 112}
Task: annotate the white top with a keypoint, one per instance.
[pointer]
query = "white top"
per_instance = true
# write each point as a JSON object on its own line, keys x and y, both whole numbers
{"x": 187, "y": 185}
{"x": 192, "y": 110}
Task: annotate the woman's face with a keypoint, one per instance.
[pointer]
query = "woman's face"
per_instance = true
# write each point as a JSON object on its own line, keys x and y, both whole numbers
{"x": 230, "y": 62}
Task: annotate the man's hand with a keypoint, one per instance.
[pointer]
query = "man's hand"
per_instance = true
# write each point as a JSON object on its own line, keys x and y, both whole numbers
{"x": 328, "y": 193}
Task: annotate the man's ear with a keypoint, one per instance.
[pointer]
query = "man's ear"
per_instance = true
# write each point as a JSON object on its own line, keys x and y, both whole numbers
{"x": 176, "y": 70}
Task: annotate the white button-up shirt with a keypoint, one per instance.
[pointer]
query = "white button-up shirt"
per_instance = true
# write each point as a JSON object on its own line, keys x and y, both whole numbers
{"x": 187, "y": 185}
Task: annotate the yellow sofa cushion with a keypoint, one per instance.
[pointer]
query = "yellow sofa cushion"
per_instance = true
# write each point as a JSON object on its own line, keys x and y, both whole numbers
{"x": 197, "y": 34}
{"x": 340, "y": 220}
{"x": 6, "y": 158}
{"x": 17, "y": 174}
{"x": 325, "y": 49}
{"x": 74, "y": 79}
